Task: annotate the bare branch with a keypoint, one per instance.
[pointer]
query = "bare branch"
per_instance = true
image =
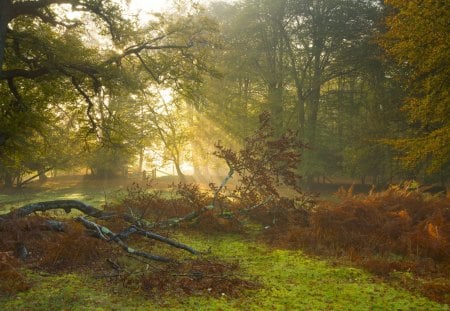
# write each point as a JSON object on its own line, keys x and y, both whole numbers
{"x": 108, "y": 235}
{"x": 154, "y": 236}
{"x": 88, "y": 101}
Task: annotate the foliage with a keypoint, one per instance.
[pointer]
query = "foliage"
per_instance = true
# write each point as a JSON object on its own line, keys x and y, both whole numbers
{"x": 395, "y": 230}
{"x": 263, "y": 165}
{"x": 198, "y": 277}
{"x": 88, "y": 95}
{"x": 289, "y": 279}
{"x": 418, "y": 39}
{"x": 316, "y": 66}
{"x": 145, "y": 202}
{"x": 13, "y": 280}
{"x": 397, "y": 221}
{"x": 284, "y": 277}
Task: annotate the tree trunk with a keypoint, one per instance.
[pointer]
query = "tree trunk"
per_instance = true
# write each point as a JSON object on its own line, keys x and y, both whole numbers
{"x": 42, "y": 176}
{"x": 9, "y": 180}
{"x": 275, "y": 99}
{"x": 180, "y": 174}
{"x": 141, "y": 159}
{"x": 5, "y": 13}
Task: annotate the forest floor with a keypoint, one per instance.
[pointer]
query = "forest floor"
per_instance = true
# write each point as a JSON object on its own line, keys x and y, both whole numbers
{"x": 274, "y": 278}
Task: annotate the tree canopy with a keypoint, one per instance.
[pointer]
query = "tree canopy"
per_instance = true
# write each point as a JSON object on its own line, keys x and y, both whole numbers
{"x": 418, "y": 39}
{"x": 362, "y": 83}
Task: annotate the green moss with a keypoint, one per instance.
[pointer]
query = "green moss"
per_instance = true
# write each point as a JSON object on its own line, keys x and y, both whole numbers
{"x": 291, "y": 281}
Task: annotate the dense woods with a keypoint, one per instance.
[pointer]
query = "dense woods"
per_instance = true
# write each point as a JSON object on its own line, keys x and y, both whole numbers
{"x": 362, "y": 83}
{"x": 256, "y": 106}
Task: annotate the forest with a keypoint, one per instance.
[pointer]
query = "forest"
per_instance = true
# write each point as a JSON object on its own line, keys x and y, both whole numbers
{"x": 224, "y": 155}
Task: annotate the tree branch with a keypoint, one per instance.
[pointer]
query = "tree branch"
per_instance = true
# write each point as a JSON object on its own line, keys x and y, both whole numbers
{"x": 88, "y": 101}
{"x": 156, "y": 78}
{"x": 154, "y": 236}
{"x": 28, "y": 74}
{"x": 107, "y": 235}
{"x": 224, "y": 182}
{"x": 66, "y": 205}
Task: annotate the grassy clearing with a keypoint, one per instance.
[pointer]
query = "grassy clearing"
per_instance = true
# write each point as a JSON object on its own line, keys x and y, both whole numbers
{"x": 94, "y": 192}
{"x": 290, "y": 281}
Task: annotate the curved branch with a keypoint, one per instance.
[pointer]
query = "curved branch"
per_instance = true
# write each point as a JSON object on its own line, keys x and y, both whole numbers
{"x": 28, "y": 74}
{"x": 66, "y": 205}
{"x": 88, "y": 101}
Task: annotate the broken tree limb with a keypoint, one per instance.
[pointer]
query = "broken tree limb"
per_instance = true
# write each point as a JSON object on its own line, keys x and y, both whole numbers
{"x": 250, "y": 208}
{"x": 107, "y": 235}
{"x": 66, "y": 205}
{"x": 155, "y": 236}
{"x": 224, "y": 183}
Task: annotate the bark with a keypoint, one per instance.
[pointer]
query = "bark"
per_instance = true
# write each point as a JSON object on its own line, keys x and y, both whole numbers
{"x": 223, "y": 184}
{"x": 141, "y": 159}
{"x": 155, "y": 236}
{"x": 107, "y": 235}
{"x": 275, "y": 98}
{"x": 66, "y": 205}
{"x": 5, "y": 16}
{"x": 102, "y": 231}
{"x": 180, "y": 174}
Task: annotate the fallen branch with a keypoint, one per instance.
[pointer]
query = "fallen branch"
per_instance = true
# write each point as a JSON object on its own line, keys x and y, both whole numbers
{"x": 107, "y": 235}
{"x": 66, "y": 205}
{"x": 155, "y": 236}
{"x": 168, "y": 222}
{"x": 223, "y": 184}
{"x": 250, "y": 208}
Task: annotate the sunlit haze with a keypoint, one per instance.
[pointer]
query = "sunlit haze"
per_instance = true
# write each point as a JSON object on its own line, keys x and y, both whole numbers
{"x": 148, "y": 6}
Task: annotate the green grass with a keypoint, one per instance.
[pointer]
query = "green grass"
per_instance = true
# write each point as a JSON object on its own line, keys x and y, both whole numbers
{"x": 94, "y": 192}
{"x": 290, "y": 281}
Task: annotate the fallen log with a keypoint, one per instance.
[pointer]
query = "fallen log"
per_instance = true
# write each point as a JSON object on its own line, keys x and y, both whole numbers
{"x": 66, "y": 205}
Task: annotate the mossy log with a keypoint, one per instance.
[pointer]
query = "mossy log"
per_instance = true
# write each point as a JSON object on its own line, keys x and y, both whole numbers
{"x": 66, "y": 205}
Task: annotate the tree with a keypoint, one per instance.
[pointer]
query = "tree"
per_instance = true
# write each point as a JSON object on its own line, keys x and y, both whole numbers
{"x": 169, "y": 123}
{"x": 37, "y": 39}
{"x": 418, "y": 38}
{"x": 288, "y": 56}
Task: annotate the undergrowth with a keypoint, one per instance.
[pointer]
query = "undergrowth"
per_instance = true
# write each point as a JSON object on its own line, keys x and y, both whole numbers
{"x": 288, "y": 280}
{"x": 395, "y": 230}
